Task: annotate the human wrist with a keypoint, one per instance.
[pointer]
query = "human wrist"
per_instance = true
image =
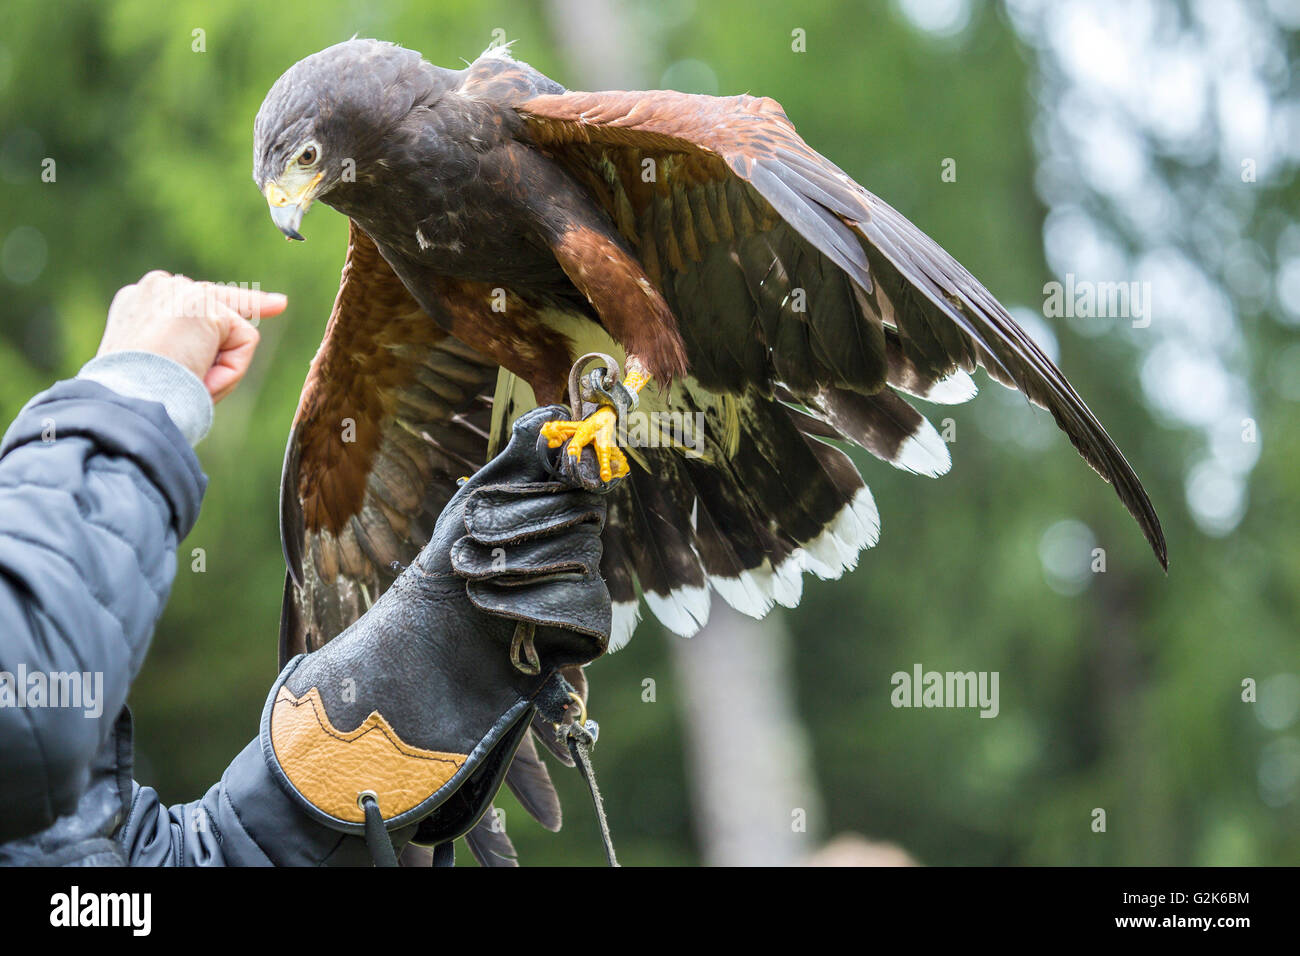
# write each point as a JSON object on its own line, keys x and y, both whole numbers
{"x": 155, "y": 378}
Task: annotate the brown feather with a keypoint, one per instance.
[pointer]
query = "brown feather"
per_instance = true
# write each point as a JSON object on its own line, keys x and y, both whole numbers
{"x": 408, "y": 394}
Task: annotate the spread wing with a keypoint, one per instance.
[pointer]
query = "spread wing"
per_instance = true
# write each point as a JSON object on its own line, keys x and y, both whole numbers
{"x": 394, "y": 410}
{"x": 788, "y": 276}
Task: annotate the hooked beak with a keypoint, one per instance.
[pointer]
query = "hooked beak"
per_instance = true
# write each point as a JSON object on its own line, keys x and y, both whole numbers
{"x": 287, "y": 219}
{"x": 287, "y": 211}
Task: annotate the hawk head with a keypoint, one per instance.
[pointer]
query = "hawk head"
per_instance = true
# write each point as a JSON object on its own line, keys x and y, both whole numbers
{"x": 324, "y": 121}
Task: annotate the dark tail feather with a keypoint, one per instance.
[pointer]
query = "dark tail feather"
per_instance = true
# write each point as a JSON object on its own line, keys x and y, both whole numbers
{"x": 490, "y": 845}
{"x": 888, "y": 427}
{"x": 764, "y": 502}
{"x": 530, "y": 782}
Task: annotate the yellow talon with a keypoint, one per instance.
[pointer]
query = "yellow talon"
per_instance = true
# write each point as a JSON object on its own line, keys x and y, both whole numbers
{"x": 598, "y": 430}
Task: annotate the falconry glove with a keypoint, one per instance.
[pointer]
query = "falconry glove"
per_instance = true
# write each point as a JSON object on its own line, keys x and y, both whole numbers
{"x": 408, "y": 720}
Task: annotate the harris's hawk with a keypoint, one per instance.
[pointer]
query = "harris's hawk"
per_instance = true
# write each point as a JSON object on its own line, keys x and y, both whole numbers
{"x": 502, "y": 226}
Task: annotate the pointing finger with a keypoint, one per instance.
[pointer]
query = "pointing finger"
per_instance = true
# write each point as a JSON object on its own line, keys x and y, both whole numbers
{"x": 250, "y": 303}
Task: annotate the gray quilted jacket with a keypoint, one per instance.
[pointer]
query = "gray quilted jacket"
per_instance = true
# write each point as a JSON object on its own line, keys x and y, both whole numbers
{"x": 98, "y": 486}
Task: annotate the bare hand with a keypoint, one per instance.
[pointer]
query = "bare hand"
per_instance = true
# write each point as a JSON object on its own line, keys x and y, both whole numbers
{"x": 200, "y": 325}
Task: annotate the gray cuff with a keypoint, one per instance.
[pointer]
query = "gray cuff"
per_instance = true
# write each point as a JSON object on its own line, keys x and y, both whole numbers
{"x": 153, "y": 378}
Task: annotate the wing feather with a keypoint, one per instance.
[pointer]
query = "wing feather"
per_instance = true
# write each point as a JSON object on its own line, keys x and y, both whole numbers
{"x": 792, "y": 220}
{"x": 392, "y": 413}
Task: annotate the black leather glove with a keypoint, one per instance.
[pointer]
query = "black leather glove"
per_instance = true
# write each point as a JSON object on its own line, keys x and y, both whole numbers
{"x": 412, "y": 715}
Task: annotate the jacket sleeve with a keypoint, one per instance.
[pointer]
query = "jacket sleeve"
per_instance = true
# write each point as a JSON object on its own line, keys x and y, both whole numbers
{"x": 96, "y": 491}
{"x": 97, "y": 488}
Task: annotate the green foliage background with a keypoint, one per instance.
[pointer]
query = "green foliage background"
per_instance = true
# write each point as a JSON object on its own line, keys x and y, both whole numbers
{"x": 1125, "y": 697}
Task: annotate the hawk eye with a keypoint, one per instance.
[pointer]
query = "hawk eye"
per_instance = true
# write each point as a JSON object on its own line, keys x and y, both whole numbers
{"x": 307, "y": 156}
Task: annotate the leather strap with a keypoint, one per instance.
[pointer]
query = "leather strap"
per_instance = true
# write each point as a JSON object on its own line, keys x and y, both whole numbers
{"x": 580, "y": 744}
{"x": 554, "y": 703}
{"x": 377, "y": 839}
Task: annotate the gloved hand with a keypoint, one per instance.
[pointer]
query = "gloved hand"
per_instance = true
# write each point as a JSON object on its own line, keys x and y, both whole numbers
{"x": 412, "y": 715}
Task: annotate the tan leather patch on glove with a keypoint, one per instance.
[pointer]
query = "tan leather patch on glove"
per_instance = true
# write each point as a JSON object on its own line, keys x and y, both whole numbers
{"x": 330, "y": 767}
